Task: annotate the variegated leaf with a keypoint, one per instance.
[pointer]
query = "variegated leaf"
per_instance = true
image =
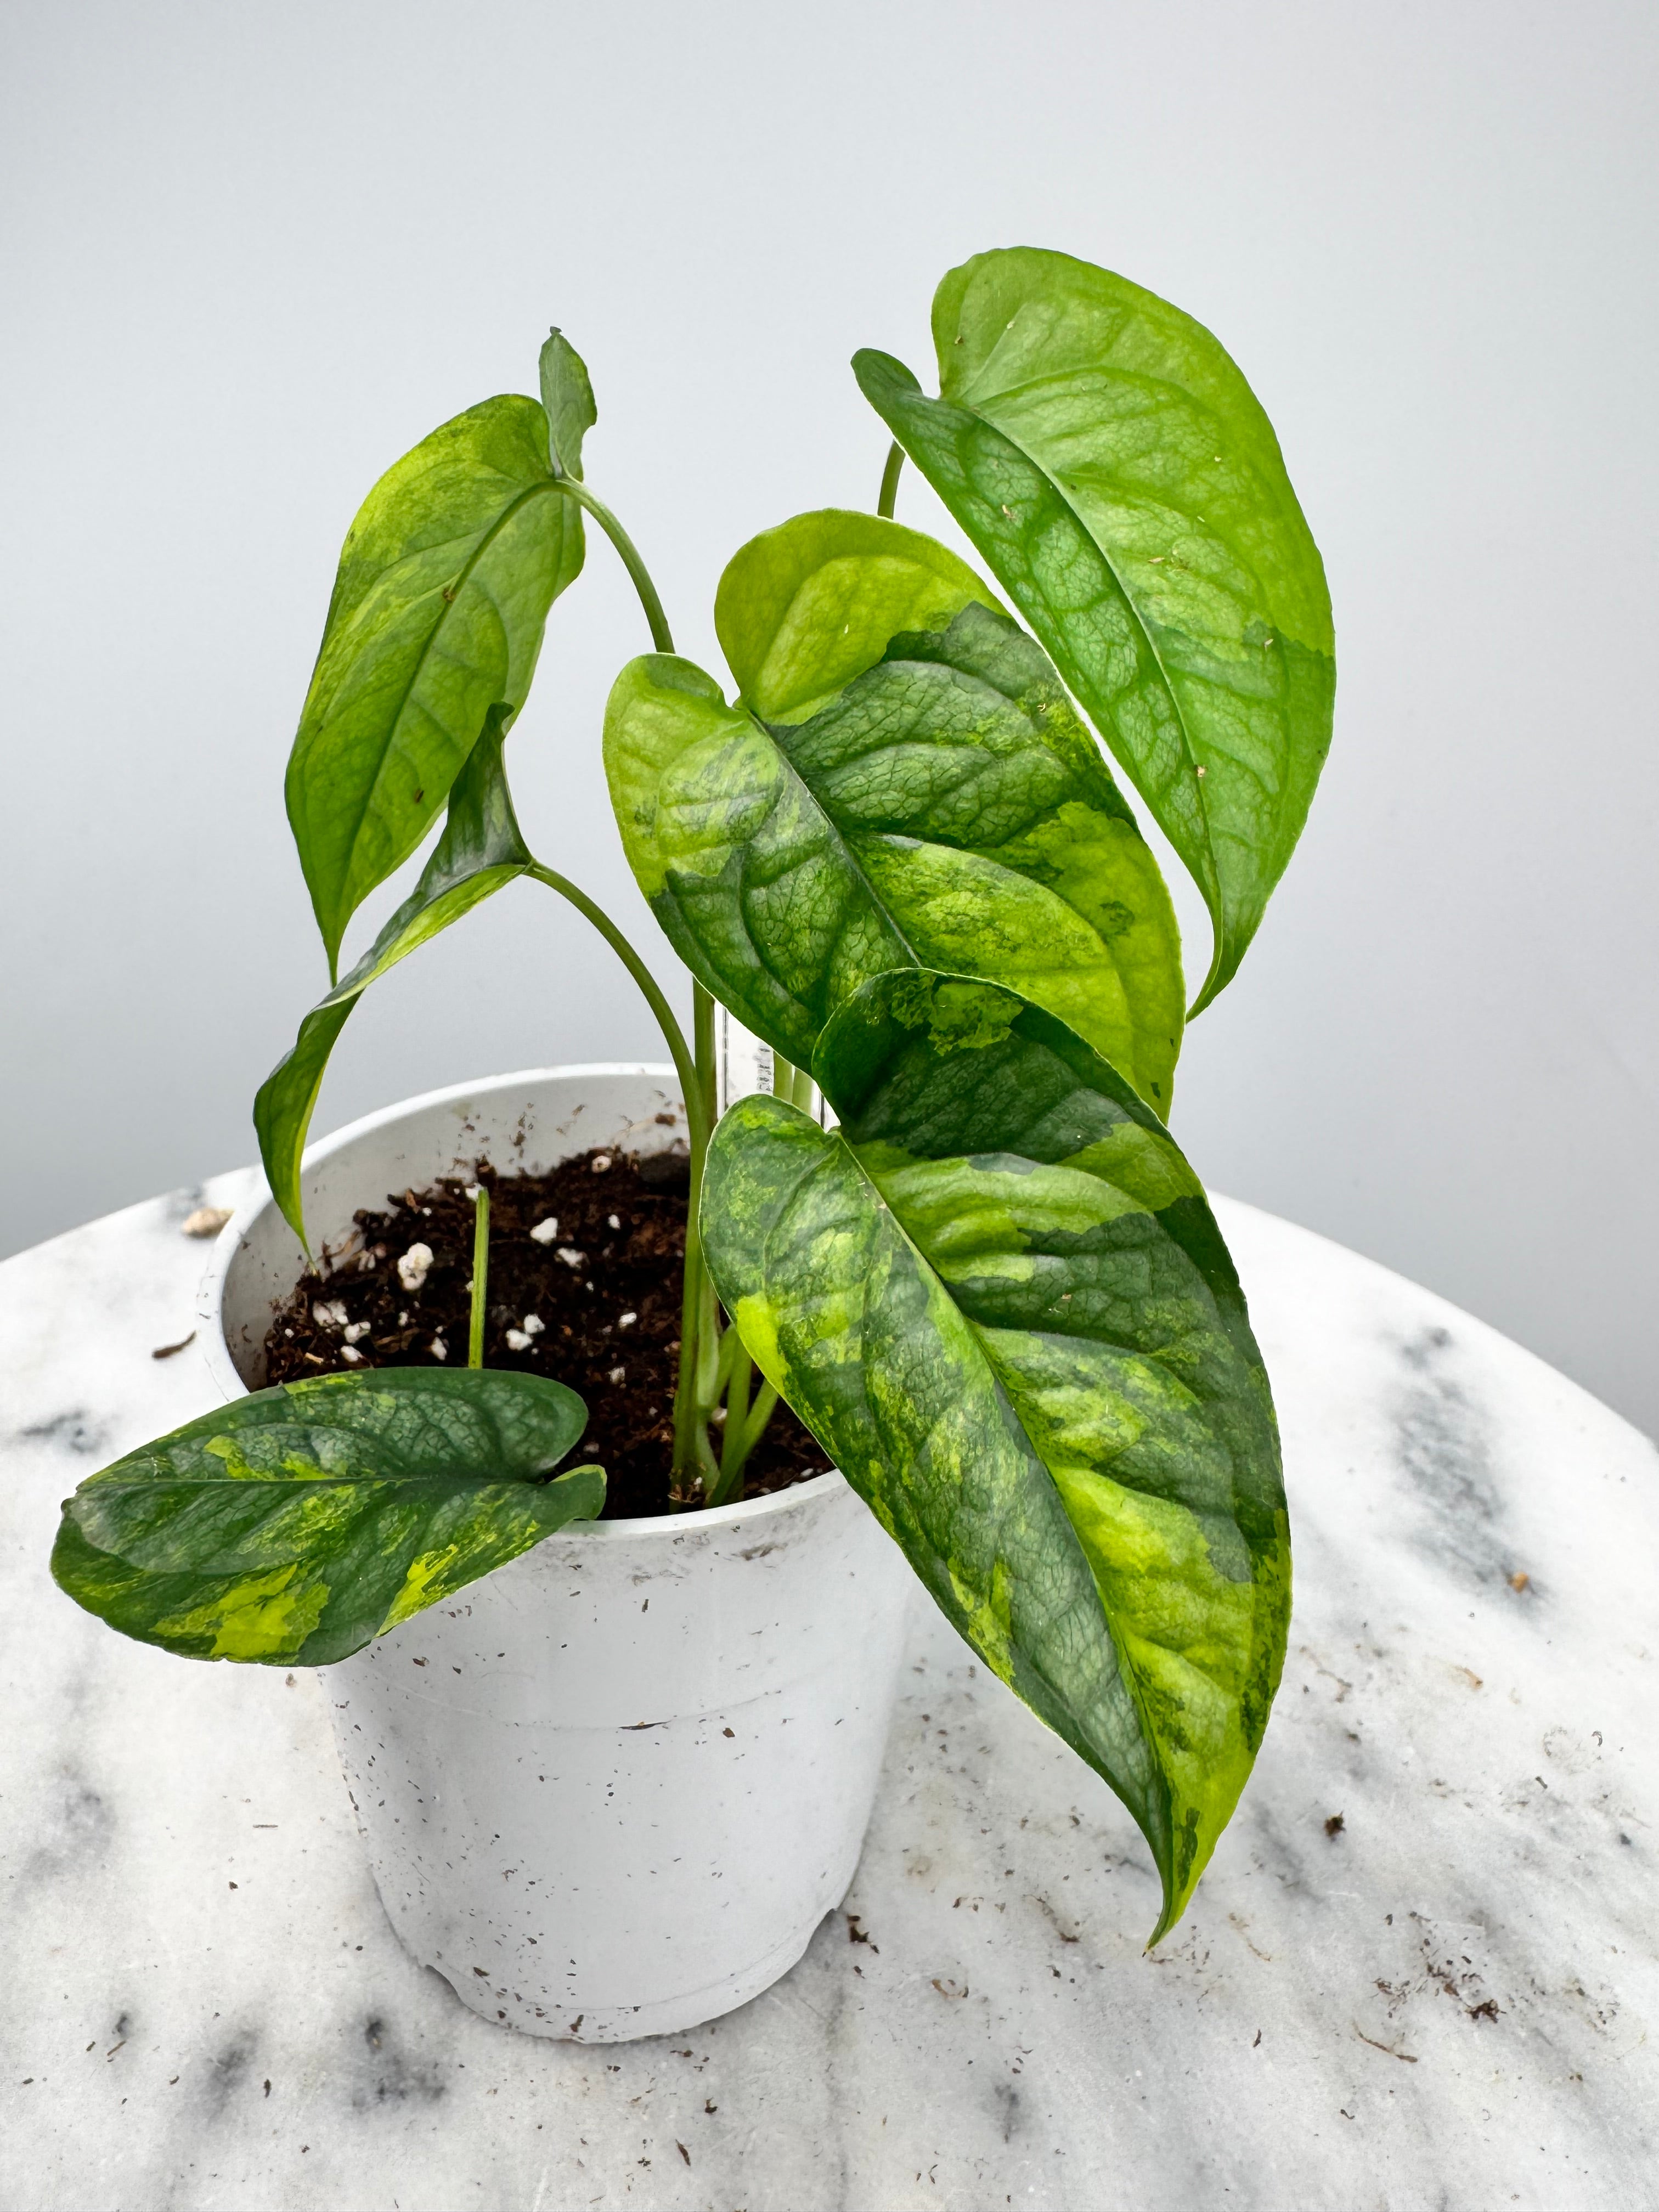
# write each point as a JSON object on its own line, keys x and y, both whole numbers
{"x": 999, "y": 1298}
{"x": 295, "y": 1526}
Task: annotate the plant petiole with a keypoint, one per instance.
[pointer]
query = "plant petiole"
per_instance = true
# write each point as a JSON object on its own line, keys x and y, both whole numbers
{"x": 685, "y": 1066}
{"x": 793, "y": 1085}
{"x": 661, "y": 637}
{"x": 888, "y": 499}
{"x": 480, "y": 1274}
{"x": 703, "y": 1371}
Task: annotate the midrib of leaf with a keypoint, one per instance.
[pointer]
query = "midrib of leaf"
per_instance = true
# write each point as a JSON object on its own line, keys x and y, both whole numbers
{"x": 1042, "y": 469}
{"x": 463, "y": 575}
{"x": 854, "y": 863}
{"x": 1128, "y": 1672}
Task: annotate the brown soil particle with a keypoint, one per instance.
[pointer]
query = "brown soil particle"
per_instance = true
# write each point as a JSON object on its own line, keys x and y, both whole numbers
{"x": 594, "y": 1303}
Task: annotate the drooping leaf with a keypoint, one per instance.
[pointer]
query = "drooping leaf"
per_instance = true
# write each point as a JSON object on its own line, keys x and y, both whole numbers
{"x": 567, "y": 403}
{"x": 295, "y": 1526}
{"x": 444, "y": 586}
{"x": 1110, "y": 463}
{"x": 999, "y": 1298}
{"x": 480, "y": 850}
{"x": 802, "y": 610}
{"x": 944, "y": 810}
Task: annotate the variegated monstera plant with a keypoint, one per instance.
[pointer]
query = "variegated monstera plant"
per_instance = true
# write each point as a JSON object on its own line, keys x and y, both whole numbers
{"x": 991, "y": 1285}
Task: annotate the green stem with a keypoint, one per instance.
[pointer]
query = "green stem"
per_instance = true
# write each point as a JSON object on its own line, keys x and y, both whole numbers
{"x": 480, "y": 1276}
{"x": 698, "y": 1389}
{"x": 737, "y": 1414}
{"x": 766, "y": 1399}
{"x": 685, "y": 1066}
{"x": 739, "y": 1444}
{"x": 703, "y": 1371}
{"x": 889, "y": 476}
{"x": 794, "y": 1085}
{"x": 660, "y": 635}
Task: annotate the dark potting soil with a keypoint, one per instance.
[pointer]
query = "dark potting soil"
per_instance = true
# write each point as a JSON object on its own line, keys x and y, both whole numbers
{"x": 595, "y": 1303}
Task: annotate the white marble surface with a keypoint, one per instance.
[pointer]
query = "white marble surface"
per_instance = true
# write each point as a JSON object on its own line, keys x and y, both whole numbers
{"x": 1450, "y": 2003}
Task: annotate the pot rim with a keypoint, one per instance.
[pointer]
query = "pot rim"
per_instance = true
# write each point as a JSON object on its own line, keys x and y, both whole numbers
{"x": 209, "y": 1299}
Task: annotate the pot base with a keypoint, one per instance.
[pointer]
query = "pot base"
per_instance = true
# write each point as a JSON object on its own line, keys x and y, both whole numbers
{"x": 674, "y": 2016}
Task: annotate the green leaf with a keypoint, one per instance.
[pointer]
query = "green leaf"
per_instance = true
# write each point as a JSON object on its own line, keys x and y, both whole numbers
{"x": 480, "y": 850}
{"x": 944, "y": 810}
{"x": 1109, "y": 461}
{"x": 567, "y": 403}
{"x": 296, "y": 1525}
{"x": 998, "y": 1298}
{"x": 803, "y": 608}
{"x": 443, "y": 590}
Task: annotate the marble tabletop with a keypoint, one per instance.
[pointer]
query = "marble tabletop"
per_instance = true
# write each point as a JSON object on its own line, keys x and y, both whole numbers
{"x": 1420, "y": 1971}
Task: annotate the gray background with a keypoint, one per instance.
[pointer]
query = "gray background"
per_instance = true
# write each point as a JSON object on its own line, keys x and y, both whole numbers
{"x": 252, "y": 254}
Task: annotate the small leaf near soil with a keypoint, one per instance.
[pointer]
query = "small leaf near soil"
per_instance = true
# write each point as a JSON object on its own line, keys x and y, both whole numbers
{"x": 294, "y": 1526}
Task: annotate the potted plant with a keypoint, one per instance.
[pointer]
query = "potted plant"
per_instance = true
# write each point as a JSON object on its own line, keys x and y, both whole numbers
{"x": 955, "y": 1236}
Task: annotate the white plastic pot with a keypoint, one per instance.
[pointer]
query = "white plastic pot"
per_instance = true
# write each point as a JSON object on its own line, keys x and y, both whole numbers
{"x": 610, "y": 1790}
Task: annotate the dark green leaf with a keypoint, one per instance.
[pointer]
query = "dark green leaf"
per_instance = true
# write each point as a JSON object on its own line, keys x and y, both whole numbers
{"x": 480, "y": 850}
{"x": 444, "y": 586}
{"x": 1109, "y": 461}
{"x": 295, "y": 1526}
{"x": 998, "y": 1298}
{"x": 568, "y": 402}
{"x": 944, "y": 810}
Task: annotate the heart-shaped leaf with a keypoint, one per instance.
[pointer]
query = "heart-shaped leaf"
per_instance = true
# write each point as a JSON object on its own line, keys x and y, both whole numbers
{"x": 999, "y": 1299}
{"x": 1113, "y": 468}
{"x": 480, "y": 850}
{"x": 802, "y": 610}
{"x": 444, "y": 586}
{"x": 296, "y": 1525}
{"x": 944, "y": 808}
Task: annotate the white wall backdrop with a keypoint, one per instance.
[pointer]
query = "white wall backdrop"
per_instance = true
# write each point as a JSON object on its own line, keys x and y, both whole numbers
{"x": 252, "y": 253}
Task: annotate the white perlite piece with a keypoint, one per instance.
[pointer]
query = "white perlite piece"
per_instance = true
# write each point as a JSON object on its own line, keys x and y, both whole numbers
{"x": 206, "y": 1221}
{"x": 517, "y": 1340}
{"x": 545, "y": 1231}
{"x": 571, "y": 1256}
{"x": 601, "y": 1163}
{"x": 440, "y": 1349}
{"x": 614, "y": 1220}
{"x": 330, "y": 1313}
{"x": 413, "y": 1267}
{"x": 626, "y": 1321}
{"x": 533, "y": 1324}
{"x": 617, "y": 1375}
{"x": 350, "y": 1354}
{"x": 357, "y": 1332}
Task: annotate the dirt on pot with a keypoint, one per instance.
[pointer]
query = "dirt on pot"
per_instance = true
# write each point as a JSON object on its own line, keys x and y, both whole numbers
{"x": 584, "y": 1286}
